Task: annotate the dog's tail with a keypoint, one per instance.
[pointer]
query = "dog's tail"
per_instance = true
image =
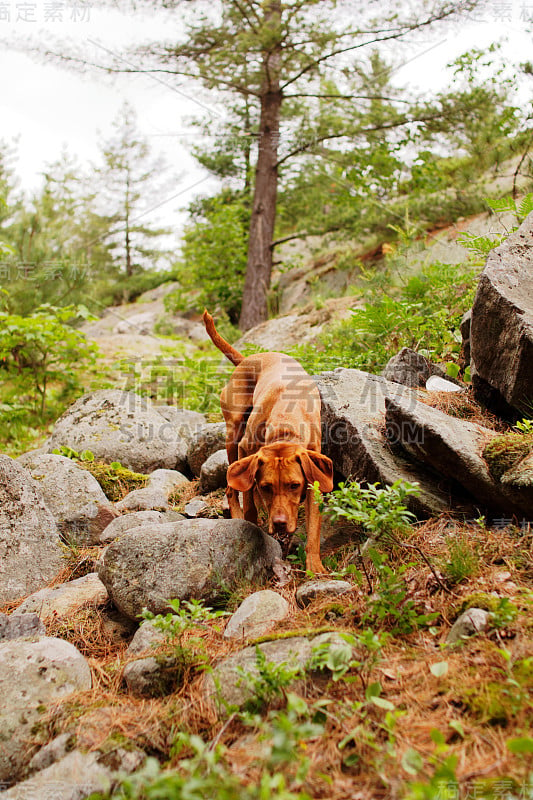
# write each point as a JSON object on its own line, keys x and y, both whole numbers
{"x": 234, "y": 356}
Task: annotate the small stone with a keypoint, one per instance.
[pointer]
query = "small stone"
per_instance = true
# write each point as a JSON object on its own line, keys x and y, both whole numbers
{"x": 54, "y": 751}
{"x": 74, "y": 777}
{"x": 150, "y": 676}
{"x": 197, "y": 507}
{"x": 256, "y": 615}
{"x": 473, "y": 621}
{"x": 311, "y": 589}
{"x": 166, "y": 480}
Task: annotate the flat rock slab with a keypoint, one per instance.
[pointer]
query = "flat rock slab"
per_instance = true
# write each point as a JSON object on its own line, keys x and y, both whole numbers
{"x": 225, "y": 685}
{"x": 30, "y": 549}
{"x": 501, "y": 330}
{"x": 74, "y": 496}
{"x": 74, "y": 777}
{"x": 454, "y": 447}
{"x": 198, "y": 558}
{"x": 309, "y": 590}
{"x": 256, "y": 615}
{"x": 353, "y": 436}
{"x": 120, "y": 426}
{"x": 32, "y": 675}
{"x": 62, "y": 600}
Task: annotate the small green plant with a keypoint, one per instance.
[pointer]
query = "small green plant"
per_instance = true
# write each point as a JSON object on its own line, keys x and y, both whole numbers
{"x": 269, "y": 681}
{"x": 504, "y": 614}
{"x": 348, "y": 653}
{"x": 185, "y": 616}
{"x": 391, "y": 605}
{"x": 462, "y": 562}
{"x": 525, "y": 426}
{"x": 380, "y": 511}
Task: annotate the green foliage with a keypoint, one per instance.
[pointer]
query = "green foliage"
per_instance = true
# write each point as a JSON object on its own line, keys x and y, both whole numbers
{"x": 391, "y": 605}
{"x": 213, "y": 263}
{"x": 462, "y": 562}
{"x": 525, "y": 426}
{"x": 480, "y": 246}
{"x": 186, "y": 616}
{"x": 358, "y": 652}
{"x": 203, "y": 775}
{"x": 43, "y": 351}
{"x": 380, "y": 511}
{"x": 269, "y": 682}
{"x": 423, "y": 313}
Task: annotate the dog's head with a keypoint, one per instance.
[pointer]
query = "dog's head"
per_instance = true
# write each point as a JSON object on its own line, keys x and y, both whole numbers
{"x": 279, "y": 475}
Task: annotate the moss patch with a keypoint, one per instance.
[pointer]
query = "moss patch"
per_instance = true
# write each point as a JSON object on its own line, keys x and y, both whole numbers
{"x": 116, "y": 482}
{"x": 503, "y": 452}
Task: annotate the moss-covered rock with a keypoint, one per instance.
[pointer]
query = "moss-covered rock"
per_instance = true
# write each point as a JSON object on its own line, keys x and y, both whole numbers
{"x": 116, "y": 481}
{"x": 503, "y": 452}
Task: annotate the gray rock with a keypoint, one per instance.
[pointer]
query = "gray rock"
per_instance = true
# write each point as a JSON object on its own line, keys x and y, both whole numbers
{"x": 256, "y": 615}
{"x": 472, "y": 621}
{"x": 189, "y": 329}
{"x": 454, "y": 447}
{"x": 307, "y": 591}
{"x": 54, "y": 751}
{"x": 353, "y": 410}
{"x": 74, "y": 496}
{"x": 410, "y": 368}
{"x": 225, "y": 686}
{"x": 126, "y": 522}
{"x": 521, "y": 476}
{"x": 166, "y": 481}
{"x": 144, "y": 500}
{"x": 30, "y": 548}
{"x": 464, "y": 327}
{"x": 213, "y": 472}
{"x": 186, "y": 423}
{"x": 197, "y": 507}
{"x": 149, "y": 676}
{"x": 20, "y": 626}
{"x": 142, "y": 324}
{"x": 193, "y": 558}
{"x": 501, "y": 335}
{"x": 120, "y": 426}
{"x": 205, "y": 442}
{"x": 62, "y": 600}
{"x": 74, "y": 777}
{"x": 32, "y": 675}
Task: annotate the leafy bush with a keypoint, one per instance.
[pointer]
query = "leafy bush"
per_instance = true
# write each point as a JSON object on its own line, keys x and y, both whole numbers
{"x": 211, "y": 270}
{"x": 42, "y": 350}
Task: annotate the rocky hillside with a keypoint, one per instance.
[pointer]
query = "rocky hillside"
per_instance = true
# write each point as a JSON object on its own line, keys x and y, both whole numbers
{"x": 145, "y": 634}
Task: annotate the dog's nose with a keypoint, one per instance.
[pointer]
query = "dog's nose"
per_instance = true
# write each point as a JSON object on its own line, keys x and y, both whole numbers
{"x": 279, "y": 523}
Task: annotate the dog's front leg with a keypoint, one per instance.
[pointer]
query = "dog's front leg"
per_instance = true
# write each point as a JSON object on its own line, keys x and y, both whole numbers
{"x": 235, "y": 509}
{"x": 312, "y": 523}
{"x": 248, "y": 504}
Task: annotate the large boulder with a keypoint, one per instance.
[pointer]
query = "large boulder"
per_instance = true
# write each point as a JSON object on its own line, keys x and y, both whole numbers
{"x": 454, "y": 447}
{"x": 120, "y": 426}
{"x": 198, "y": 558}
{"x": 30, "y": 548}
{"x": 74, "y": 496}
{"x": 501, "y": 331}
{"x": 353, "y": 436}
{"x": 33, "y": 674}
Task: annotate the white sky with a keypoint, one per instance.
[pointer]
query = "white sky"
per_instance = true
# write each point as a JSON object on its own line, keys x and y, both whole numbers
{"x": 48, "y": 107}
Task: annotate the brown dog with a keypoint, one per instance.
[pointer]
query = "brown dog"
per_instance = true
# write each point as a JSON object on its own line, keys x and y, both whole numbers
{"x": 273, "y": 438}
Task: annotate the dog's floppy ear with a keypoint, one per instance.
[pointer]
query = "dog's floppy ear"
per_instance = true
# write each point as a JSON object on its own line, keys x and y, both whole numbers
{"x": 317, "y": 467}
{"x": 241, "y": 474}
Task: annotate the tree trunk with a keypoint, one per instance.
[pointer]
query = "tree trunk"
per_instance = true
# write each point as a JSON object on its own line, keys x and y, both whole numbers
{"x": 259, "y": 264}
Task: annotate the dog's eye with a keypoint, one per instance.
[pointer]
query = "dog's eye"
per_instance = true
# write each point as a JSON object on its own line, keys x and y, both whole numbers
{"x": 294, "y": 486}
{"x": 266, "y": 487}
